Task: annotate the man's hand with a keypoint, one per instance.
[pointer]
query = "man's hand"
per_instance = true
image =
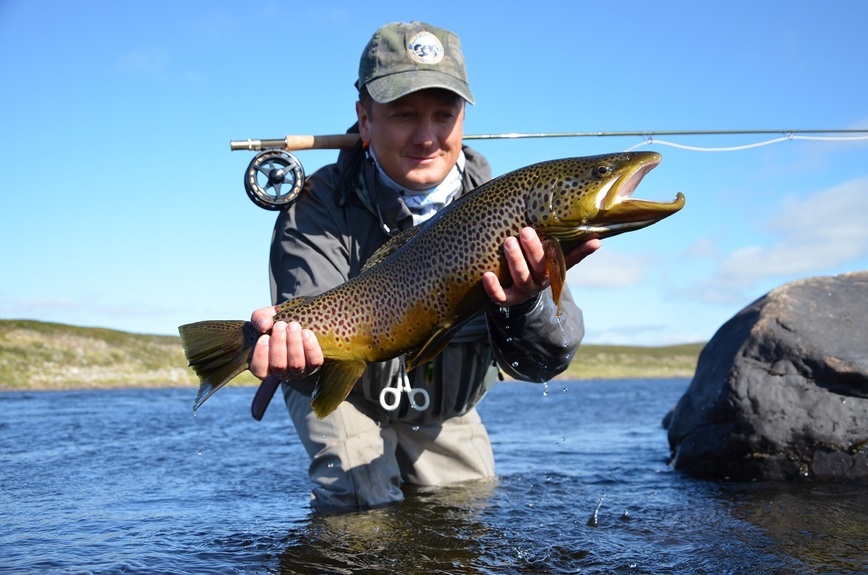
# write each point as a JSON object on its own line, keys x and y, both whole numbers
{"x": 525, "y": 257}
{"x": 288, "y": 352}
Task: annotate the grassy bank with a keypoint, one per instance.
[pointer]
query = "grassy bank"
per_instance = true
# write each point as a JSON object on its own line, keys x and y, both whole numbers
{"x": 625, "y": 362}
{"x": 39, "y": 355}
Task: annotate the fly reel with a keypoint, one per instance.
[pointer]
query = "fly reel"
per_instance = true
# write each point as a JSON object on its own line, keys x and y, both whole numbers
{"x": 274, "y": 179}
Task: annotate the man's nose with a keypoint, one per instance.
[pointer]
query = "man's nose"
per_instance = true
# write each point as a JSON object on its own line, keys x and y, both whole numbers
{"x": 425, "y": 133}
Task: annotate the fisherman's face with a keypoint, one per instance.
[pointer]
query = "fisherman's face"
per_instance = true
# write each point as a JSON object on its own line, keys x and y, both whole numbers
{"x": 417, "y": 138}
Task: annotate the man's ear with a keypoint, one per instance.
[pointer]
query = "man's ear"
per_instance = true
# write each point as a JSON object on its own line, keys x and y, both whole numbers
{"x": 364, "y": 131}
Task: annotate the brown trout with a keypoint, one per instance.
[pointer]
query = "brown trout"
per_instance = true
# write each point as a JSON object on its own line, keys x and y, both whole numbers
{"x": 422, "y": 286}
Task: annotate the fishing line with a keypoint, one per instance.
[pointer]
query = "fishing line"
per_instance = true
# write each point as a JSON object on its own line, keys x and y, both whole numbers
{"x": 786, "y": 138}
{"x": 274, "y": 170}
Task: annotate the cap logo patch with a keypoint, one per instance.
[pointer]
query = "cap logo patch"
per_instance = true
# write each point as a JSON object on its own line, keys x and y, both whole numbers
{"x": 425, "y": 48}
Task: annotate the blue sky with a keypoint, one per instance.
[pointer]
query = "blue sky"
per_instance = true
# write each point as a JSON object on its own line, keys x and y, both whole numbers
{"x": 123, "y": 207}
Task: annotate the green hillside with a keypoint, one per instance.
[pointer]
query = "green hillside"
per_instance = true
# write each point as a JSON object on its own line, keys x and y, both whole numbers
{"x": 39, "y": 355}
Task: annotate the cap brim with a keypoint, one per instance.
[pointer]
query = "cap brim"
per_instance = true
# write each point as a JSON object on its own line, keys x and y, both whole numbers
{"x": 390, "y": 88}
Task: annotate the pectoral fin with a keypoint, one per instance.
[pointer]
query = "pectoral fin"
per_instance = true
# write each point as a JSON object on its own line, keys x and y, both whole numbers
{"x": 336, "y": 380}
{"x": 439, "y": 339}
{"x": 556, "y": 266}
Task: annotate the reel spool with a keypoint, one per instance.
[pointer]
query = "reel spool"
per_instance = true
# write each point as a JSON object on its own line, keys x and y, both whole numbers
{"x": 274, "y": 179}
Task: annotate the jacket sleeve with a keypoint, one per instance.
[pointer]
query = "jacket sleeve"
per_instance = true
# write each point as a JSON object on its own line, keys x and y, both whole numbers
{"x": 309, "y": 247}
{"x": 531, "y": 342}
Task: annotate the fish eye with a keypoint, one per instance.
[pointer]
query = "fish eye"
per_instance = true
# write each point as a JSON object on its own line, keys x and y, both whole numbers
{"x": 602, "y": 170}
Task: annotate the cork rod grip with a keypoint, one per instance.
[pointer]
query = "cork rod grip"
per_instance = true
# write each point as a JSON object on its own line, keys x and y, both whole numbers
{"x": 295, "y": 143}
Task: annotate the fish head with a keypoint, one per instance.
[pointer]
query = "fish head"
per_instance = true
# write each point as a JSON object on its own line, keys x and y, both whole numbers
{"x": 576, "y": 199}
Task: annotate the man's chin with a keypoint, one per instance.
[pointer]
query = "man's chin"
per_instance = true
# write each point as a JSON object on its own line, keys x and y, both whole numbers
{"x": 424, "y": 179}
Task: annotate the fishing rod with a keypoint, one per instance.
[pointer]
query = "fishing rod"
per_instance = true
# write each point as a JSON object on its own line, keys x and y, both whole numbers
{"x": 274, "y": 169}
{"x": 346, "y": 141}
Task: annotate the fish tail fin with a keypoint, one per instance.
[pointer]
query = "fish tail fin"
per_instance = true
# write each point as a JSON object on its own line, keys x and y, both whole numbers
{"x": 217, "y": 352}
{"x": 336, "y": 380}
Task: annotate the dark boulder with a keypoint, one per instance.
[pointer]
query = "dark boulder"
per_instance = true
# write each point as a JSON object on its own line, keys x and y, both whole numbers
{"x": 781, "y": 390}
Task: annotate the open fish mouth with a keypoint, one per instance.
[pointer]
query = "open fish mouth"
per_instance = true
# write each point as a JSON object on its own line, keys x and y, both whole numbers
{"x": 621, "y": 189}
{"x": 620, "y": 212}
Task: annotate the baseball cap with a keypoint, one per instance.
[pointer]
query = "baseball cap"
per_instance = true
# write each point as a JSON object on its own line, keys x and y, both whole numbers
{"x": 405, "y": 57}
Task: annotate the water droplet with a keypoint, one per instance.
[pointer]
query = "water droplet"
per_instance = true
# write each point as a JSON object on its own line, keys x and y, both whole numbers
{"x": 565, "y": 390}
{"x": 509, "y": 340}
{"x": 505, "y": 311}
{"x": 545, "y": 389}
{"x": 330, "y": 465}
{"x": 564, "y": 342}
{"x": 200, "y": 452}
{"x": 515, "y": 364}
{"x": 415, "y": 428}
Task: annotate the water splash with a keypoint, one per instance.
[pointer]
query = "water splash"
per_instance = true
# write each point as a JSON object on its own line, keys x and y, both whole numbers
{"x": 594, "y": 519}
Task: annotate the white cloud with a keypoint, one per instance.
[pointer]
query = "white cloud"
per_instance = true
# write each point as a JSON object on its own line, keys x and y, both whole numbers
{"x": 705, "y": 247}
{"x": 71, "y": 310}
{"x": 813, "y": 235}
{"x": 608, "y": 268}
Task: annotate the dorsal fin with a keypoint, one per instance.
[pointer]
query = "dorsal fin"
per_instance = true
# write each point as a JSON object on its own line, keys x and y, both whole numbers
{"x": 390, "y": 247}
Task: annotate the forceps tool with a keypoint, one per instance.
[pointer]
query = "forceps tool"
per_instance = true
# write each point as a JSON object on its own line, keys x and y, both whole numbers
{"x": 390, "y": 397}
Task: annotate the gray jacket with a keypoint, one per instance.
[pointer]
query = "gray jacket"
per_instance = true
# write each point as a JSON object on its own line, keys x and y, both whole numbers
{"x": 341, "y": 217}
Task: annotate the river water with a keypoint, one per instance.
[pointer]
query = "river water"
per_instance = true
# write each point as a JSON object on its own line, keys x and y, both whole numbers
{"x": 130, "y": 481}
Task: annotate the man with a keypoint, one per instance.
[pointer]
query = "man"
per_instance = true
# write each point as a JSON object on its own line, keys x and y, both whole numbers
{"x": 410, "y": 162}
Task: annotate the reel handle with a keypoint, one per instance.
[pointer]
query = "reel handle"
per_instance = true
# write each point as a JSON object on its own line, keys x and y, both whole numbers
{"x": 295, "y": 143}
